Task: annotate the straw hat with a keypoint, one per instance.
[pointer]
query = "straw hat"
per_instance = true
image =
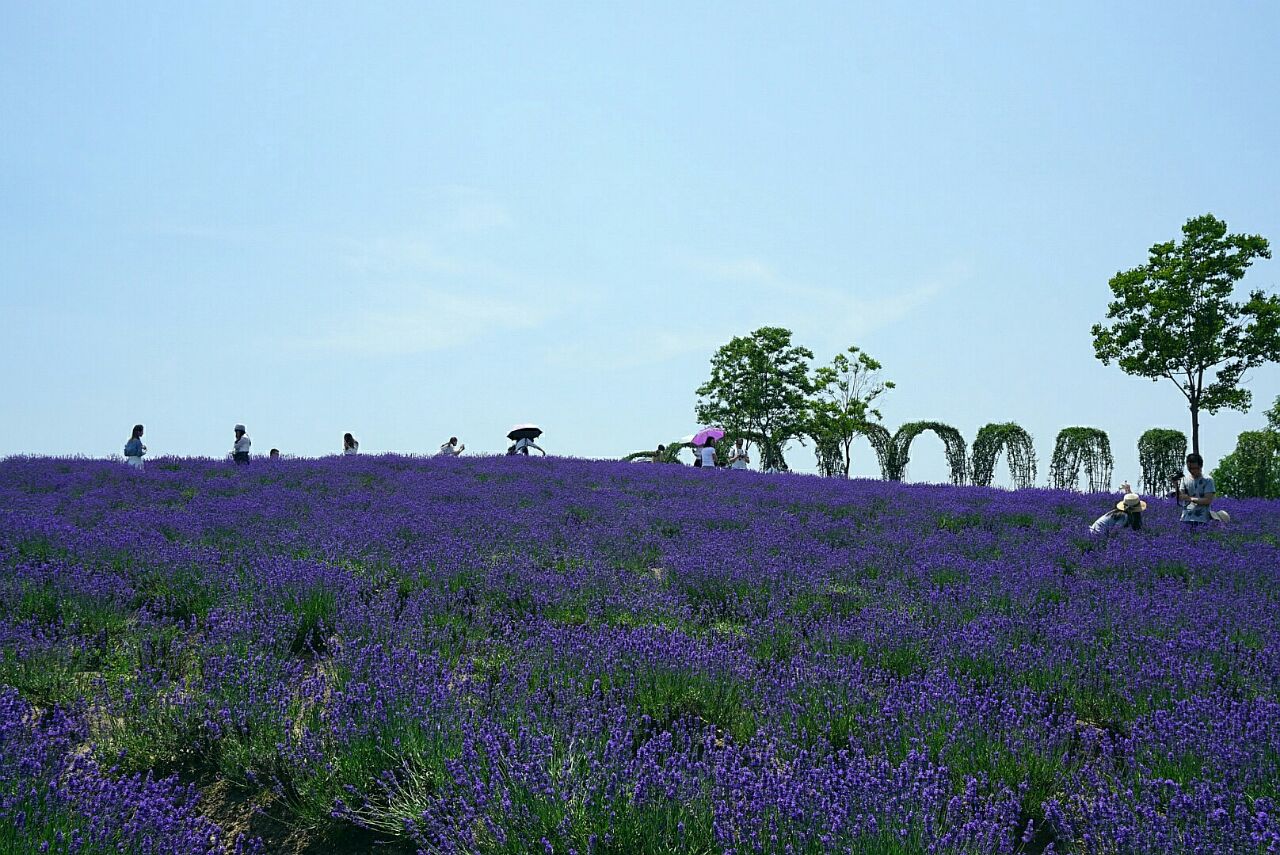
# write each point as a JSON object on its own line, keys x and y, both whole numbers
{"x": 1220, "y": 516}
{"x": 1131, "y": 502}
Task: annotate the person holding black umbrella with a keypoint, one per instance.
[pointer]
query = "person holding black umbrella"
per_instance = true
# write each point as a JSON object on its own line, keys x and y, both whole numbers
{"x": 522, "y": 437}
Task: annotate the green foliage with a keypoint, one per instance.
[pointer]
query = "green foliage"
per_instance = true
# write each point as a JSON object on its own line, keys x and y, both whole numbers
{"x": 845, "y": 392}
{"x": 758, "y": 389}
{"x": 1174, "y": 318}
{"x": 951, "y": 439}
{"x": 1161, "y": 452}
{"x": 670, "y": 453}
{"x": 1076, "y": 446}
{"x": 1253, "y": 469}
{"x": 1019, "y": 451}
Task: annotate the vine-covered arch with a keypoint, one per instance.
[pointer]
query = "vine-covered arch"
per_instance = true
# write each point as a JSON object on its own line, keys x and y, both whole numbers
{"x": 670, "y": 454}
{"x": 882, "y": 443}
{"x": 1078, "y": 446}
{"x": 1018, "y": 448}
{"x": 1161, "y": 452}
{"x": 830, "y": 456}
{"x": 951, "y": 439}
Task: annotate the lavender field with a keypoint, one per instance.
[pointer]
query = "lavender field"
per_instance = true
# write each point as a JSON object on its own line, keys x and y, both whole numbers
{"x": 517, "y": 655}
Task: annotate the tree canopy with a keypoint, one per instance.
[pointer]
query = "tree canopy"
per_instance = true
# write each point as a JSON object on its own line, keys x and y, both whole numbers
{"x": 844, "y": 396}
{"x": 1175, "y": 318}
{"x": 1253, "y": 469}
{"x": 759, "y": 390}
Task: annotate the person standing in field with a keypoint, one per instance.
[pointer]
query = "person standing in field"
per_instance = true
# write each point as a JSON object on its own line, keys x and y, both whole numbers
{"x": 134, "y": 449}
{"x": 738, "y": 458}
{"x": 275, "y": 454}
{"x": 452, "y": 448}
{"x": 349, "y": 444}
{"x": 707, "y": 454}
{"x": 240, "y": 449}
{"x": 1195, "y": 492}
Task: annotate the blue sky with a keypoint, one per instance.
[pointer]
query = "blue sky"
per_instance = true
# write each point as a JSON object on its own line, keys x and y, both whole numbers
{"x": 409, "y": 221}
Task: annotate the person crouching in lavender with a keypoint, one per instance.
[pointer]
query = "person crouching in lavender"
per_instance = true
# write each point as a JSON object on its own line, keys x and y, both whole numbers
{"x": 1126, "y": 514}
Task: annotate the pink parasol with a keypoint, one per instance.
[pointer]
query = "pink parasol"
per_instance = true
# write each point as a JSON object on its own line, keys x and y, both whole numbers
{"x": 714, "y": 433}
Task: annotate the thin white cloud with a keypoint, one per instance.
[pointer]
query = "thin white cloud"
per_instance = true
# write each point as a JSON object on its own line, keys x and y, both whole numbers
{"x": 767, "y": 296}
{"x": 635, "y": 349}
{"x": 436, "y": 320}
{"x": 735, "y": 269}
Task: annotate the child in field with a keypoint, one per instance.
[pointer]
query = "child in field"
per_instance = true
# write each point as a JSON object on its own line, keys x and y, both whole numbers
{"x": 1126, "y": 514}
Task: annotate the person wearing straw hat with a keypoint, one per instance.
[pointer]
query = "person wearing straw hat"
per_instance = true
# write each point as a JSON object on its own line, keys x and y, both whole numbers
{"x": 240, "y": 450}
{"x": 1126, "y": 514}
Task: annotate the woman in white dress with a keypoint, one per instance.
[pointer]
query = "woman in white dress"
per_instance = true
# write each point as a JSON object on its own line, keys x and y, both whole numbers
{"x": 349, "y": 444}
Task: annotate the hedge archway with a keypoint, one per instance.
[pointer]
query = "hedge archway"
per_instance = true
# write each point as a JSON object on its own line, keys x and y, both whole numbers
{"x": 1161, "y": 452}
{"x": 830, "y": 457}
{"x": 669, "y": 455}
{"x": 1019, "y": 452}
{"x": 951, "y": 440}
{"x": 1077, "y": 446}
{"x": 882, "y": 443}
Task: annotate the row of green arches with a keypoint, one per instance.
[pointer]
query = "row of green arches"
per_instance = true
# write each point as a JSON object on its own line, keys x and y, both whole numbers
{"x": 1077, "y": 451}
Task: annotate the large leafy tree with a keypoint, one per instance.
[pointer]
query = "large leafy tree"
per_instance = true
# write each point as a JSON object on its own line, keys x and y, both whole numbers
{"x": 844, "y": 397}
{"x": 1175, "y": 318}
{"x": 758, "y": 389}
{"x": 1253, "y": 469}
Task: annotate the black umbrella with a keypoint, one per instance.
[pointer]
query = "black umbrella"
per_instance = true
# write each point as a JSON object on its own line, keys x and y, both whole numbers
{"x": 525, "y": 432}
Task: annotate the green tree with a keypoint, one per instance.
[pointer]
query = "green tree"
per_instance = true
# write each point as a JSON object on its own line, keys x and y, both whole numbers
{"x": 844, "y": 396}
{"x": 1174, "y": 318}
{"x": 1253, "y": 469}
{"x": 758, "y": 390}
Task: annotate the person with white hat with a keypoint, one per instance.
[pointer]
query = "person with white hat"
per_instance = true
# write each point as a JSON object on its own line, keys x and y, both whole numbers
{"x": 240, "y": 450}
{"x": 1126, "y": 514}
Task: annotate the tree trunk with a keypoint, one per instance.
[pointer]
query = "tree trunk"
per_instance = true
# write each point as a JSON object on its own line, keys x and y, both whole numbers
{"x": 1195, "y": 428}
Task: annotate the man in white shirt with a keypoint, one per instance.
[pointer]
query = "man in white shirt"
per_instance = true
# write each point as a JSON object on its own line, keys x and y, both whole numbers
{"x": 240, "y": 450}
{"x": 451, "y": 448}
